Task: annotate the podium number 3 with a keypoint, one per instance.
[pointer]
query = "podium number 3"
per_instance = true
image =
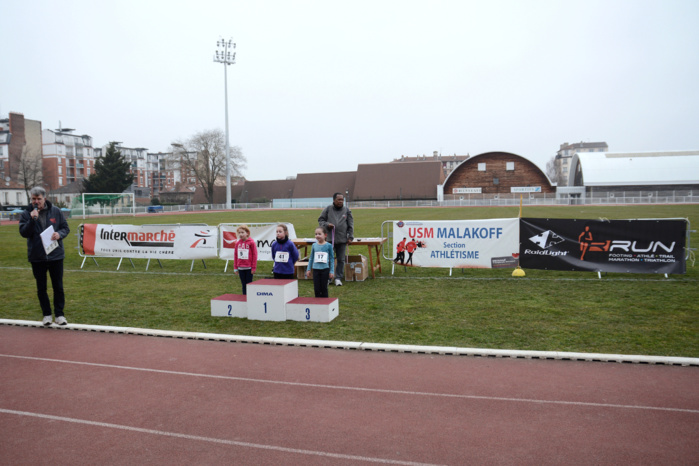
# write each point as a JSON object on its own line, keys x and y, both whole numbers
{"x": 308, "y": 314}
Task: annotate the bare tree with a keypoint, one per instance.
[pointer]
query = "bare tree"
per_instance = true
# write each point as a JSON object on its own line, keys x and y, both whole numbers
{"x": 30, "y": 171}
{"x": 204, "y": 156}
{"x": 553, "y": 171}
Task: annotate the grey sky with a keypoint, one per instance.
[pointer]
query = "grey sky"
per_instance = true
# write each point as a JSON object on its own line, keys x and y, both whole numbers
{"x": 325, "y": 85}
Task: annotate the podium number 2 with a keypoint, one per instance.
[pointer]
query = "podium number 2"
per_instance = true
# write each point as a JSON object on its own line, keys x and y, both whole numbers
{"x": 308, "y": 314}
{"x": 230, "y": 309}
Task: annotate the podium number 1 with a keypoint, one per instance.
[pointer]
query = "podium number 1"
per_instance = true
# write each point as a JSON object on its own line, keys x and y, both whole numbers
{"x": 265, "y": 308}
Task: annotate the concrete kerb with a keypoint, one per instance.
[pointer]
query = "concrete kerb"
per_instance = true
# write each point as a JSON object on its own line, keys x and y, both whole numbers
{"x": 381, "y": 347}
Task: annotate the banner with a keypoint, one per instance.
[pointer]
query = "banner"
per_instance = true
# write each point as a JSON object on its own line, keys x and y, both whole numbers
{"x": 635, "y": 246}
{"x": 149, "y": 241}
{"x": 484, "y": 244}
{"x": 263, "y": 234}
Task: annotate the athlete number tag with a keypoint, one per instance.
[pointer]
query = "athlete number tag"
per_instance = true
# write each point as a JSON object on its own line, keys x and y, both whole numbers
{"x": 282, "y": 256}
{"x": 243, "y": 254}
{"x": 321, "y": 257}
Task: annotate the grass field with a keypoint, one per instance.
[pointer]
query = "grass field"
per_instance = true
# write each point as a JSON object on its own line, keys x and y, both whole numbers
{"x": 547, "y": 311}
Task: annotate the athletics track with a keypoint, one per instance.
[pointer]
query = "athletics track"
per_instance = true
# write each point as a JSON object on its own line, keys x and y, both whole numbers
{"x": 108, "y": 397}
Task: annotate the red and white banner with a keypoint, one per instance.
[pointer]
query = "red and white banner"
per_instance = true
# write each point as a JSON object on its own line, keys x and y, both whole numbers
{"x": 149, "y": 241}
{"x": 486, "y": 244}
{"x": 263, "y": 234}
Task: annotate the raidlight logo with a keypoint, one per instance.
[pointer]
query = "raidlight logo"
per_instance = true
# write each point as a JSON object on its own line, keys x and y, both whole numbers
{"x": 546, "y": 239}
{"x": 264, "y": 293}
{"x": 203, "y": 236}
{"x": 157, "y": 239}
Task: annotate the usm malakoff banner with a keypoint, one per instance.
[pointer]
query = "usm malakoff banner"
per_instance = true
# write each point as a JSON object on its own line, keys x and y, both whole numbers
{"x": 262, "y": 234}
{"x": 482, "y": 244}
{"x": 150, "y": 241}
{"x": 635, "y": 246}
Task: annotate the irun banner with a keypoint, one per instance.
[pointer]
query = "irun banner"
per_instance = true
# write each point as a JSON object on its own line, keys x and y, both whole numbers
{"x": 623, "y": 246}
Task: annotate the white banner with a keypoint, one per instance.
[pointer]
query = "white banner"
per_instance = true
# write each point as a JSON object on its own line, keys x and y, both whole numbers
{"x": 263, "y": 234}
{"x": 492, "y": 243}
{"x": 150, "y": 241}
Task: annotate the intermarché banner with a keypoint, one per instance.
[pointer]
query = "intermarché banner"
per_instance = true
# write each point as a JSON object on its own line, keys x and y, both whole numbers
{"x": 635, "y": 246}
{"x": 492, "y": 243}
{"x": 150, "y": 241}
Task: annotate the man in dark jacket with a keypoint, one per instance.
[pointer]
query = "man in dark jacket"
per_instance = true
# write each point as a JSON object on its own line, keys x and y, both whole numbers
{"x": 35, "y": 219}
{"x": 337, "y": 220}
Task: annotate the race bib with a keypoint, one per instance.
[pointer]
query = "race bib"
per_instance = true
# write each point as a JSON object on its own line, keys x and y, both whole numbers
{"x": 281, "y": 256}
{"x": 321, "y": 257}
{"x": 243, "y": 254}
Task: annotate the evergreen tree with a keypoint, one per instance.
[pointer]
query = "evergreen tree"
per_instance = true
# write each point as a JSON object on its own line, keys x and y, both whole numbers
{"x": 111, "y": 173}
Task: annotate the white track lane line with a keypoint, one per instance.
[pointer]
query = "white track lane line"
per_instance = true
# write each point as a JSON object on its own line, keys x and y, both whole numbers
{"x": 361, "y": 389}
{"x": 211, "y": 439}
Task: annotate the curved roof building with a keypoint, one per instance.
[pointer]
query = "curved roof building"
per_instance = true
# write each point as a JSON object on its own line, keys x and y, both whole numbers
{"x": 496, "y": 173}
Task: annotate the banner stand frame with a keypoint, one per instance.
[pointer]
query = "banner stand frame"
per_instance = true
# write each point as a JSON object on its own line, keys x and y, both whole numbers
{"x": 148, "y": 263}
{"x": 192, "y": 266}
{"x": 85, "y": 258}
{"x": 121, "y": 259}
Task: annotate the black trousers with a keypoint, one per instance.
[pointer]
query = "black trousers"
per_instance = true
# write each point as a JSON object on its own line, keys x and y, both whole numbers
{"x": 55, "y": 270}
{"x": 320, "y": 282}
{"x": 245, "y": 278}
{"x": 283, "y": 276}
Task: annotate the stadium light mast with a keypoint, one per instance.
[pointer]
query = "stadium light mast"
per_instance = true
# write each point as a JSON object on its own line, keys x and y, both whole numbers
{"x": 225, "y": 53}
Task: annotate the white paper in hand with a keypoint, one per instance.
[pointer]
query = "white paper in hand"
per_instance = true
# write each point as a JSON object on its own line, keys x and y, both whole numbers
{"x": 46, "y": 235}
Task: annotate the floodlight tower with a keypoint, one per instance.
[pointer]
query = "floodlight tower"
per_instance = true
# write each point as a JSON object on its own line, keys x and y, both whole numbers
{"x": 225, "y": 53}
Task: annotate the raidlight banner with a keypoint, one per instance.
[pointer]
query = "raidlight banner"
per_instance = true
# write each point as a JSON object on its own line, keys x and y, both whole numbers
{"x": 262, "y": 234}
{"x": 482, "y": 244}
{"x": 635, "y": 246}
{"x": 149, "y": 241}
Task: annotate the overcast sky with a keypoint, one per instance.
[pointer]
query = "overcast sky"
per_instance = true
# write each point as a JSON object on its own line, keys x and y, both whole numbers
{"x": 325, "y": 85}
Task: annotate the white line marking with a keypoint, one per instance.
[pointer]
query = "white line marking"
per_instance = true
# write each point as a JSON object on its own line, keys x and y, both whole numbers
{"x": 361, "y": 389}
{"x": 212, "y": 440}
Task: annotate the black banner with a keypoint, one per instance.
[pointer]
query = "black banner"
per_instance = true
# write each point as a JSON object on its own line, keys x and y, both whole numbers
{"x": 623, "y": 246}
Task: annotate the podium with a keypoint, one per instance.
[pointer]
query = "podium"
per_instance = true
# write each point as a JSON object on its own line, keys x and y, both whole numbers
{"x": 267, "y": 298}
{"x": 313, "y": 309}
{"x": 275, "y": 300}
{"x": 229, "y": 305}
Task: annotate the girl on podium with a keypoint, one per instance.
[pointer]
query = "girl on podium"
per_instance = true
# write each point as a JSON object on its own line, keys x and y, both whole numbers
{"x": 284, "y": 254}
{"x": 321, "y": 263}
{"x": 245, "y": 262}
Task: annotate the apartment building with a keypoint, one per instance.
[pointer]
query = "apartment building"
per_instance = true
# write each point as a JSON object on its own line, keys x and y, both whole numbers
{"x": 67, "y": 157}
{"x": 18, "y": 135}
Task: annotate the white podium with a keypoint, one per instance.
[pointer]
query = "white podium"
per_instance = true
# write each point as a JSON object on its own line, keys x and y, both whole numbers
{"x": 267, "y": 298}
{"x": 313, "y": 309}
{"x": 276, "y": 300}
{"x": 229, "y": 305}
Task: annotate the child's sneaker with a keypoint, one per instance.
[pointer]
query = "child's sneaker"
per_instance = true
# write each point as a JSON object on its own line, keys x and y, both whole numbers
{"x": 61, "y": 320}
{"x": 47, "y": 320}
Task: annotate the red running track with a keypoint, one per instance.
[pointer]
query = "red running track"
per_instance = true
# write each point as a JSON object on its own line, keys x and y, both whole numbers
{"x": 69, "y": 397}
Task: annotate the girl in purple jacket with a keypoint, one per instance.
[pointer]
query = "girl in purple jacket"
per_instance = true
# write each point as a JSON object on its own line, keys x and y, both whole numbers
{"x": 284, "y": 254}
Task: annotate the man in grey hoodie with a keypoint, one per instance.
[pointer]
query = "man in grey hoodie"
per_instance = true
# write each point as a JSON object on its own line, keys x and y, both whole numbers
{"x": 337, "y": 220}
